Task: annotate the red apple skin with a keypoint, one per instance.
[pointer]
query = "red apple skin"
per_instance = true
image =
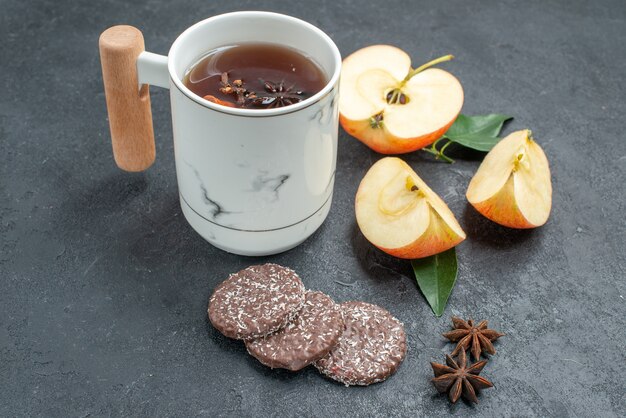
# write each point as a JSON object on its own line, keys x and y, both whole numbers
{"x": 383, "y": 142}
{"x": 502, "y": 208}
{"x": 432, "y": 241}
{"x": 423, "y": 247}
{"x": 426, "y": 245}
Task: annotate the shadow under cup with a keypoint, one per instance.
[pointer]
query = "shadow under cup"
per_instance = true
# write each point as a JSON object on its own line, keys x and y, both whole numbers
{"x": 254, "y": 182}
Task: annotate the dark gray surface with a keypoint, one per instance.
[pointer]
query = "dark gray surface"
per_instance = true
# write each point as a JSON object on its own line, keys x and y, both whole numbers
{"x": 104, "y": 285}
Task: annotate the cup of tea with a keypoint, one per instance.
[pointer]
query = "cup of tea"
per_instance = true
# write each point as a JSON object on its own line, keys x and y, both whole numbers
{"x": 254, "y": 113}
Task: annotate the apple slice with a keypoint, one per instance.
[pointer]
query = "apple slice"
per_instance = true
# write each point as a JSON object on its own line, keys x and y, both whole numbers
{"x": 401, "y": 215}
{"x": 392, "y": 108}
{"x": 512, "y": 185}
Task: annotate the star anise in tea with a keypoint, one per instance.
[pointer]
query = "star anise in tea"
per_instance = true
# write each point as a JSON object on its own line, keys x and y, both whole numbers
{"x": 460, "y": 379}
{"x": 468, "y": 334}
{"x": 277, "y": 95}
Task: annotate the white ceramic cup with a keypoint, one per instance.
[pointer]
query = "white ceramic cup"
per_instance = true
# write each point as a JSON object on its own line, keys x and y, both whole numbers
{"x": 251, "y": 182}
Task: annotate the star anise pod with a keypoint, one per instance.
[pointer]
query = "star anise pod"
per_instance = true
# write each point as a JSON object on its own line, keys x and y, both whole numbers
{"x": 459, "y": 380}
{"x": 277, "y": 95}
{"x": 478, "y": 336}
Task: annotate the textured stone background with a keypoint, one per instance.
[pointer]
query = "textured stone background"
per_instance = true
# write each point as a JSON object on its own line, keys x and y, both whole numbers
{"x": 104, "y": 285}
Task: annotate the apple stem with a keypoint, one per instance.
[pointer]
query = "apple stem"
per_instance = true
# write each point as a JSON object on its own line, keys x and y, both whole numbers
{"x": 444, "y": 148}
{"x": 396, "y": 96}
{"x": 427, "y": 65}
{"x": 438, "y": 153}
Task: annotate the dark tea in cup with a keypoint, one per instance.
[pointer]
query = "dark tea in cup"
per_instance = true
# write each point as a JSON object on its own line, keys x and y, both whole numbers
{"x": 255, "y": 76}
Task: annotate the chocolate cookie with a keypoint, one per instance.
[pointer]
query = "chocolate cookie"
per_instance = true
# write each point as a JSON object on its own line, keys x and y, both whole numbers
{"x": 256, "y": 301}
{"x": 308, "y": 338}
{"x": 371, "y": 348}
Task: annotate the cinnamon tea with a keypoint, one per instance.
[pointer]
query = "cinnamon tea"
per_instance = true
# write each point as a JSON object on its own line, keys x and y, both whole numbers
{"x": 255, "y": 76}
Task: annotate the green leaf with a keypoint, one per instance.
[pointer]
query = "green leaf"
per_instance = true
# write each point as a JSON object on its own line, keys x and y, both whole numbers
{"x": 476, "y": 141}
{"x": 435, "y": 277}
{"x": 487, "y": 125}
{"x": 477, "y": 132}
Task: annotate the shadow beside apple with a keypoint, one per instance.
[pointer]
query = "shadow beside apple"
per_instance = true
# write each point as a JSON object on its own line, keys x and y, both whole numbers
{"x": 378, "y": 264}
{"x": 486, "y": 232}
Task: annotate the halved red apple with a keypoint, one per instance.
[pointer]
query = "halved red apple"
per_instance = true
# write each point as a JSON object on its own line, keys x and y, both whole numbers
{"x": 512, "y": 185}
{"x": 392, "y": 108}
{"x": 401, "y": 215}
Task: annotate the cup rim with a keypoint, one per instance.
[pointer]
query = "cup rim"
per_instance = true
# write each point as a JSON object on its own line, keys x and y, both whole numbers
{"x": 178, "y": 83}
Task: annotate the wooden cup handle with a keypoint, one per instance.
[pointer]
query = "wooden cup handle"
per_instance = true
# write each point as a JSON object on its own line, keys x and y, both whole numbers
{"x": 130, "y": 114}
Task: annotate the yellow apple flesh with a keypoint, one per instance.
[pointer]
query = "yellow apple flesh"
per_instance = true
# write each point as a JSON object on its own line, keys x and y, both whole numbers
{"x": 512, "y": 186}
{"x": 398, "y": 213}
{"x": 433, "y": 100}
